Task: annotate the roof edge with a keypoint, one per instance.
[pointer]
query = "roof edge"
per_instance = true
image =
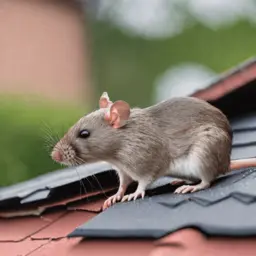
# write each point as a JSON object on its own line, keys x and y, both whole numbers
{"x": 228, "y": 81}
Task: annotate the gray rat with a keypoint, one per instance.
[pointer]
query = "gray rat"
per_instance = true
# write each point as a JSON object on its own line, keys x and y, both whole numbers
{"x": 183, "y": 137}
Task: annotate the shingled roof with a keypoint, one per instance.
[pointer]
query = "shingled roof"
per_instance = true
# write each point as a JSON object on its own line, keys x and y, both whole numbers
{"x": 54, "y": 214}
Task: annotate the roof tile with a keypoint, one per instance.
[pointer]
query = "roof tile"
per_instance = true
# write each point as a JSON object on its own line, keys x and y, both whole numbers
{"x": 18, "y": 229}
{"x": 63, "y": 247}
{"x": 74, "y": 247}
{"x": 91, "y": 206}
{"x": 21, "y": 248}
{"x": 63, "y": 226}
{"x": 232, "y": 195}
{"x": 229, "y": 81}
{"x": 191, "y": 242}
{"x": 84, "y": 197}
{"x": 38, "y": 209}
{"x": 55, "y": 182}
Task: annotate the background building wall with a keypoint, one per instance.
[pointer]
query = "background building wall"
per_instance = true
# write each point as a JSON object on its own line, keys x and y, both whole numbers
{"x": 43, "y": 49}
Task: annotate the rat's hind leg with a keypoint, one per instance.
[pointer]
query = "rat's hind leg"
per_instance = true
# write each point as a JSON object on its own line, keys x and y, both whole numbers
{"x": 193, "y": 166}
{"x": 208, "y": 158}
{"x": 192, "y": 188}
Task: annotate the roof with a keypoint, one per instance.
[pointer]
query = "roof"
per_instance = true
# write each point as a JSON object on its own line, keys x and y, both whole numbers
{"x": 51, "y": 215}
{"x": 229, "y": 81}
{"x": 60, "y": 213}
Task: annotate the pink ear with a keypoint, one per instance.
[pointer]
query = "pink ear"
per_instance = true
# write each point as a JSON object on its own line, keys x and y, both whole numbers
{"x": 104, "y": 101}
{"x": 118, "y": 114}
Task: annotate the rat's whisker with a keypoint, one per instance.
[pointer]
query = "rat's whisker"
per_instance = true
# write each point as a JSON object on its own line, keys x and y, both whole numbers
{"x": 46, "y": 130}
{"x": 46, "y": 127}
{"x": 48, "y": 145}
{"x": 81, "y": 182}
{"x": 48, "y": 136}
{"x": 57, "y": 136}
{"x": 99, "y": 185}
{"x": 81, "y": 185}
{"x": 80, "y": 161}
{"x": 50, "y": 140}
{"x": 89, "y": 182}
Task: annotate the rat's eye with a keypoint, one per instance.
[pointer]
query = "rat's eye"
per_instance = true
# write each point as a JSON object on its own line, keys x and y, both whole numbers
{"x": 84, "y": 134}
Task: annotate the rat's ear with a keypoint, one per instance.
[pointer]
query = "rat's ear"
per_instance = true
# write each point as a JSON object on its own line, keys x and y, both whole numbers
{"x": 104, "y": 101}
{"x": 118, "y": 114}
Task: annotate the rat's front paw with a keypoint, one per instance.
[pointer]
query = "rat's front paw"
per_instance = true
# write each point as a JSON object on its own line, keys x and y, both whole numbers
{"x": 112, "y": 200}
{"x": 134, "y": 196}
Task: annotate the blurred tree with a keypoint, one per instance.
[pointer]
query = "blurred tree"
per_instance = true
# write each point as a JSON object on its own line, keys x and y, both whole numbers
{"x": 28, "y": 131}
{"x": 128, "y": 64}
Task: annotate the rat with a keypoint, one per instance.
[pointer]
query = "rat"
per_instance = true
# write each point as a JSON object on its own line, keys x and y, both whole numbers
{"x": 183, "y": 137}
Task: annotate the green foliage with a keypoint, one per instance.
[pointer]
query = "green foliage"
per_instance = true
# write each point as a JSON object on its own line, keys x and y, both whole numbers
{"x": 128, "y": 66}
{"x": 24, "y": 131}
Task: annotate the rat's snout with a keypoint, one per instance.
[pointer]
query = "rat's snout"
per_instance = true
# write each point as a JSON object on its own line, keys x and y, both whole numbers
{"x": 57, "y": 156}
{"x": 63, "y": 153}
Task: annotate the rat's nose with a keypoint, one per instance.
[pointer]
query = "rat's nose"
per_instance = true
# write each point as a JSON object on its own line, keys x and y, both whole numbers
{"x": 57, "y": 156}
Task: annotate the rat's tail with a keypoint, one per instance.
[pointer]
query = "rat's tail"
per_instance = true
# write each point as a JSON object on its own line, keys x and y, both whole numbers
{"x": 242, "y": 163}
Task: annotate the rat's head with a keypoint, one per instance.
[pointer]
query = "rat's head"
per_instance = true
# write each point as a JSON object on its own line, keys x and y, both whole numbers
{"x": 95, "y": 136}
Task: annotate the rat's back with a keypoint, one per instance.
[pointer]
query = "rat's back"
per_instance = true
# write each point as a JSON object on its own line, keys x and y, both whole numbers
{"x": 197, "y": 132}
{"x": 188, "y": 113}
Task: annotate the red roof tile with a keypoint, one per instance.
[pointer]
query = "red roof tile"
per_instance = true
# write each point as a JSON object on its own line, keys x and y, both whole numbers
{"x": 66, "y": 201}
{"x": 187, "y": 242}
{"x": 64, "y": 225}
{"x": 46, "y": 234}
{"x": 21, "y": 248}
{"x": 61, "y": 247}
{"x": 193, "y": 243}
{"x": 93, "y": 206}
{"x": 18, "y": 229}
{"x": 228, "y": 83}
{"x": 76, "y": 247}
{"x": 21, "y": 212}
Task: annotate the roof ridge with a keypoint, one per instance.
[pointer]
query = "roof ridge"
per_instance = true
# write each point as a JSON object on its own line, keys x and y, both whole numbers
{"x": 235, "y": 69}
{"x": 220, "y": 79}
